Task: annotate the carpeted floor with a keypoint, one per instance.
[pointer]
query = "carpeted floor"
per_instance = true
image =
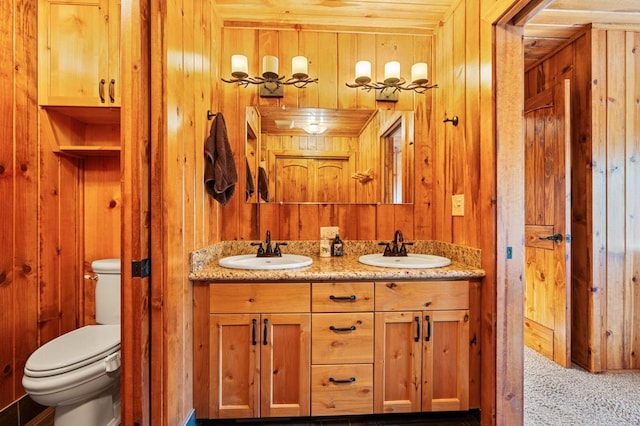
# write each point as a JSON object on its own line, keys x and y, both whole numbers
{"x": 573, "y": 397}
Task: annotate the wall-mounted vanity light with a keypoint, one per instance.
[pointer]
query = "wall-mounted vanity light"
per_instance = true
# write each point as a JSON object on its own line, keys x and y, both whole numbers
{"x": 271, "y": 82}
{"x": 393, "y": 83}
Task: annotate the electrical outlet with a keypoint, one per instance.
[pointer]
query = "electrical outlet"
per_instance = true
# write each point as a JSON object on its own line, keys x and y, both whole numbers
{"x": 457, "y": 205}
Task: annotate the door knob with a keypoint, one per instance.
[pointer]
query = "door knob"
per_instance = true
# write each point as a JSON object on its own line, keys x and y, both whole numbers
{"x": 557, "y": 238}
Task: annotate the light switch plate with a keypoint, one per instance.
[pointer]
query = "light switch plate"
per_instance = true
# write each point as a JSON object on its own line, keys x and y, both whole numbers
{"x": 457, "y": 205}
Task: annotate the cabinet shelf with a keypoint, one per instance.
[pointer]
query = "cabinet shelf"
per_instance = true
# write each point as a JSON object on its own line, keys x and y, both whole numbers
{"x": 81, "y": 131}
{"x": 83, "y": 150}
{"x": 87, "y": 114}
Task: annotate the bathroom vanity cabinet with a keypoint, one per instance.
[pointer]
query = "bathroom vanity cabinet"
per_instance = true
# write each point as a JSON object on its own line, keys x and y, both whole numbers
{"x": 422, "y": 346}
{"x": 260, "y": 350}
{"x": 342, "y": 328}
{"x": 332, "y": 348}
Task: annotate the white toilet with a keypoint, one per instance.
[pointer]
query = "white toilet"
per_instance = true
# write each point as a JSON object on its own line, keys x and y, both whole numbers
{"x": 79, "y": 372}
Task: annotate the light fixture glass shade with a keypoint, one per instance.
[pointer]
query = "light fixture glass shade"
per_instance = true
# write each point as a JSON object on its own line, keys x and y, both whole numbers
{"x": 419, "y": 73}
{"x": 239, "y": 66}
{"x": 270, "y": 67}
{"x": 299, "y": 67}
{"x": 392, "y": 72}
{"x": 363, "y": 72}
{"x": 315, "y": 129}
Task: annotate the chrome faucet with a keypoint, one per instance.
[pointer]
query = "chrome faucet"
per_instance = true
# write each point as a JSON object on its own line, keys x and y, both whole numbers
{"x": 269, "y": 250}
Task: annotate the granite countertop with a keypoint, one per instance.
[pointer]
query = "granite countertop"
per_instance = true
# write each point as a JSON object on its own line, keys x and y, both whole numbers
{"x": 465, "y": 263}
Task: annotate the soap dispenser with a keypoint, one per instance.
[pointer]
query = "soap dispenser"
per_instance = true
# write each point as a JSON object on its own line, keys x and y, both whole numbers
{"x": 336, "y": 246}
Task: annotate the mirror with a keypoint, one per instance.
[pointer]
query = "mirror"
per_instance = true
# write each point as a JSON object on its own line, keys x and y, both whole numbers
{"x": 332, "y": 156}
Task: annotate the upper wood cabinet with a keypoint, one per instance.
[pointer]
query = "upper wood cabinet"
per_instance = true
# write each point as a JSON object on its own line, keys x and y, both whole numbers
{"x": 78, "y": 58}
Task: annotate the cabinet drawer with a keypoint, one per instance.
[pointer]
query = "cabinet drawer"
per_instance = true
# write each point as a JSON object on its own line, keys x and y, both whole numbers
{"x": 251, "y": 298}
{"x": 342, "y": 338}
{"x": 341, "y": 389}
{"x": 342, "y": 297}
{"x": 420, "y": 296}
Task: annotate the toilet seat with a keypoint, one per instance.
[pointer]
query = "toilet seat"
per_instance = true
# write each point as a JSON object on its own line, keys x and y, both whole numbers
{"x": 74, "y": 350}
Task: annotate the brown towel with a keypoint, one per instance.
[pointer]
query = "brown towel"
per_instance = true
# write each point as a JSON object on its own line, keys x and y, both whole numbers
{"x": 220, "y": 175}
{"x": 249, "y": 190}
{"x": 263, "y": 184}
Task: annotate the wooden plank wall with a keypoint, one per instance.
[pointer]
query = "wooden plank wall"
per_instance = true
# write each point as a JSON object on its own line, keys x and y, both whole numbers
{"x": 19, "y": 263}
{"x": 605, "y": 301}
{"x": 621, "y": 221}
{"x": 50, "y": 203}
{"x": 185, "y": 45}
{"x": 449, "y": 160}
{"x": 332, "y": 56}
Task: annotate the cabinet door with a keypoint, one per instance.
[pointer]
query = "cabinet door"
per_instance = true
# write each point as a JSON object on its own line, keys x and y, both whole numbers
{"x": 114, "y": 85}
{"x": 398, "y": 359}
{"x": 74, "y": 52}
{"x": 234, "y": 370}
{"x": 285, "y": 363}
{"x": 445, "y": 377}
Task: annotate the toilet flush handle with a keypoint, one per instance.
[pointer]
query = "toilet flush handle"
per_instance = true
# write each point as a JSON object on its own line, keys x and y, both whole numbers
{"x": 112, "y": 362}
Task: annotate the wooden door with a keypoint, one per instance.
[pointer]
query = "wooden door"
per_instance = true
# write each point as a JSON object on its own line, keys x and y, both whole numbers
{"x": 234, "y": 368}
{"x": 332, "y": 181}
{"x": 285, "y": 362}
{"x": 135, "y": 134}
{"x": 293, "y": 180}
{"x": 397, "y": 362}
{"x": 311, "y": 180}
{"x": 547, "y": 223}
{"x": 445, "y": 365}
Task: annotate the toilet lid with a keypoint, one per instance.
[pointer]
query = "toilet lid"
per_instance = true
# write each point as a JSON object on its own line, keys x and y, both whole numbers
{"x": 106, "y": 266}
{"x": 73, "y": 350}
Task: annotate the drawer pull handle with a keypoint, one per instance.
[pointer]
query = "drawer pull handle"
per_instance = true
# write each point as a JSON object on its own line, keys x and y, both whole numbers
{"x": 352, "y": 328}
{"x": 253, "y": 333}
{"x": 349, "y": 380}
{"x": 343, "y": 298}
{"x": 417, "y": 338}
{"x": 428, "y": 318}
{"x": 265, "y": 341}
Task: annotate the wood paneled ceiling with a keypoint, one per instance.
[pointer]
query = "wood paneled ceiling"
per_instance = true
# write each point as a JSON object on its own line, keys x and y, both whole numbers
{"x": 551, "y": 26}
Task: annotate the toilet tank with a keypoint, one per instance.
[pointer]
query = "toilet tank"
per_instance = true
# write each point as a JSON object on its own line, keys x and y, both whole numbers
{"x": 107, "y": 290}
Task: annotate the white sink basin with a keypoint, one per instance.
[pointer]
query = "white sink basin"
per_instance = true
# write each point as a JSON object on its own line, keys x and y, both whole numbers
{"x": 252, "y": 262}
{"x": 409, "y": 261}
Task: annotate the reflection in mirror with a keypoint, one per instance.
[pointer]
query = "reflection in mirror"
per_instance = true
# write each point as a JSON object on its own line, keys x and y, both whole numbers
{"x": 311, "y": 155}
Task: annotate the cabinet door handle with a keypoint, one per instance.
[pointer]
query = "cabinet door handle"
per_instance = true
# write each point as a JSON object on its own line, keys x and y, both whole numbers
{"x": 101, "y": 90}
{"x": 265, "y": 332}
{"x": 112, "y": 90}
{"x": 254, "y": 341}
{"x": 428, "y": 318}
{"x": 342, "y": 298}
{"x": 417, "y": 338}
{"x": 352, "y": 328}
{"x": 349, "y": 380}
